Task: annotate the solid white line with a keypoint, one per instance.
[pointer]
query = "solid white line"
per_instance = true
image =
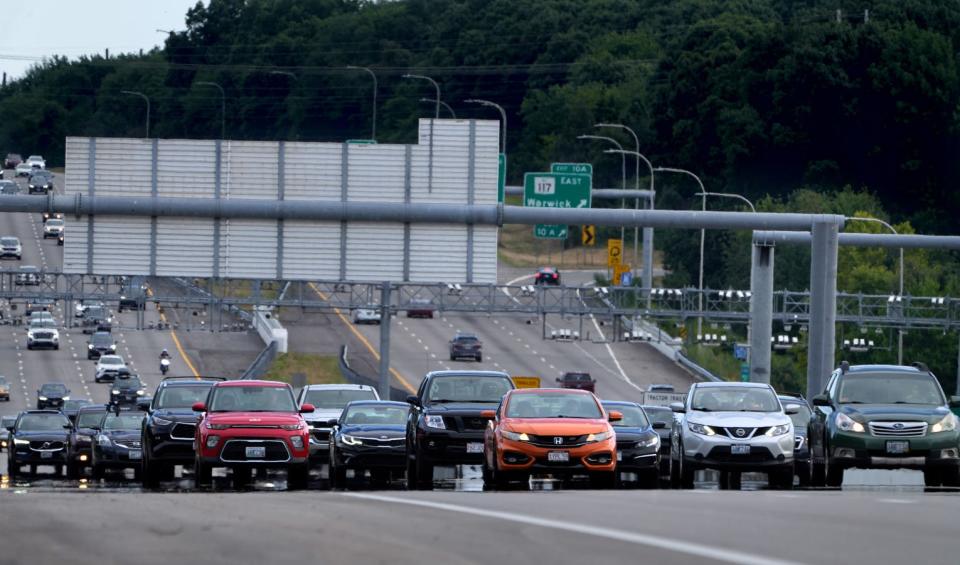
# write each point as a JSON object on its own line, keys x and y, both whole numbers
{"x": 675, "y": 545}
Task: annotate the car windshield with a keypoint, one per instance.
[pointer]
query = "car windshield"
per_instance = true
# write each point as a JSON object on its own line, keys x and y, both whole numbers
{"x": 109, "y": 360}
{"x": 336, "y": 399}
{"x": 553, "y": 405}
{"x": 659, "y": 414}
{"x": 182, "y": 396}
{"x": 376, "y": 415}
{"x": 42, "y": 323}
{"x": 577, "y": 377}
{"x": 123, "y": 421}
{"x": 75, "y": 404}
{"x": 55, "y": 222}
{"x": 466, "y": 339}
{"x": 252, "y": 399}
{"x": 735, "y": 399}
{"x": 889, "y": 388}
{"x": 42, "y": 422}
{"x": 49, "y": 389}
{"x": 3, "y": 380}
{"x": 633, "y": 416}
{"x": 128, "y": 382}
{"x": 29, "y": 269}
{"x": 89, "y": 419}
{"x": 467, "y": 389}
{"x": 9, "y": 242}
{"x": 101, "y": 340}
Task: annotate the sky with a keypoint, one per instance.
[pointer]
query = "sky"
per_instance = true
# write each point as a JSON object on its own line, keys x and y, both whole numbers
{"x": 42, "y": 28}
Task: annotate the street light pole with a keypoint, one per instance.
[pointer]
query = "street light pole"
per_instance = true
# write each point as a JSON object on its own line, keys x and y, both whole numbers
{"x": 144, "y": 96}
{"x": 894, "y": 230}
{"x": 373, "y": 75}
{"x": 503, "y": 116}
{"x": 436, "y": 113}
{"x": 730, "y": 195}
{"x": 223, "y": 106}
{"x": 623, "y": 168}
{"x": 703, "y": 233}
{"x": 442, "y": 103}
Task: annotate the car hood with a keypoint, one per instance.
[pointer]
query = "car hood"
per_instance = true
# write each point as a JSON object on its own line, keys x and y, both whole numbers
{"x": 121, "y": 434}
{"x": 390, "y": 431}
{"x": 85, "y": 431}
{"x": 555, "y": 426}
{"x": 738, "y": 419}
{"x": 633, "y": 433}
{"x": 46, "y": 435}
{"x": 454, "y": 408}
{"x": 254, "y": 418}
{"x": 177, "y": 414}
{"x": 322, "y": 415}
{"x": 910, "y": 412}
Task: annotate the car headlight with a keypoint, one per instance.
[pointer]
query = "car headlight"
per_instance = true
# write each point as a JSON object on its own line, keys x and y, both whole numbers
{"x": 435, "y": 421}
{"x": 141, "y": 392}
{"x": 65, "y": 398}
{"x": 21, "y": 441}
{"x": 602, "y": 436}
{"x": 515, "y": 436}
{"x": 83, "y": 438}
{"x": 649, "y": 442}
{"x": 290, "y": 427}
{"x": 350, "y": 440}
{"x": 217, "y": 426}
{"x": 297, "y": 442}
{"x": 847, "y": 424}
{"x": 158, "y": 421}
{"x": 113, "y": 347}
{"x": 103, "y": 440}
{"x": 701, "y": 429}
{"x": 947, "y": 424}
{"x": 212, "y": 441}
{"x": 42, "y": 397}
{"x": 777, "y": 430}
{"x": 89, "y": 346}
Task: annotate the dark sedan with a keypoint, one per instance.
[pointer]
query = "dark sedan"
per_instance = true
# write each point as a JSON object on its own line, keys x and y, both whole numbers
{"x": 73, "y": 406}
{"x": 665, "y": 415}
{"x": 101, "y": 343}
{"x": 41, "y": 181}
{"x": 638, "y": 443}
{"x": 39, "y": 437}
{"x": 52, "y": 395}
{"x": 466, "y": 346}
{"x": 369, "y": 436}
{"x": 127, "y": 389}
{"x": 117, "y": 443}
{"x": 580, "y": 381}
{"x": 81, "y": 437}
{"x": 801, "y": 427}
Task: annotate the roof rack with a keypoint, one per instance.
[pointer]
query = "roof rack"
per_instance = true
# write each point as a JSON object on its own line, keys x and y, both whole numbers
{"x": 190, "y": 378}
{"x": 844, "y": 366}
{"x": 920, "y": 365}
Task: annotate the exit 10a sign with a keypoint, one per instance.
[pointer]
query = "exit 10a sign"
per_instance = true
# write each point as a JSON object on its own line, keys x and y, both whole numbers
{"x": 572, "y": 168}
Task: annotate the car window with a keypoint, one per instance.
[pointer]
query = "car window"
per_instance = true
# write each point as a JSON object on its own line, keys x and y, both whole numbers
{"x": 89, "y": 419}
{"x": 123, "y": 421}
{"x": 9, "y": 241}
{"x": 577, "y": 377}
{"x": 376, "y": 415}
{"x": 336, "y": 399}
{"x": 734, "y": 399}
{"x": 55, "y": 222}
{"x": 553, "y": 405}
{"x": 181, "y": 396}
{"x": 42, "y": 422}
{"x": 252, "y": 399}
{"x": 891, "y": 388}
{"x": 657, "y": 414}
{"x": 633, "y": 416}
{"x": 802, "y": 418}
{"x": 106, "y": 360}
{"x": 53, "y": 389}
{"x": 129, "y": 382}
{"x": 467, "y": 389}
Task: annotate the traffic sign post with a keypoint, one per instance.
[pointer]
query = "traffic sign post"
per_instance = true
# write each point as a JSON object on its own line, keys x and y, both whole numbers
{"x": 619, "y": 270}
{"x": 614, "y": 252}
{"x": 588, "y": 236}
{"x": 555, "y": 190}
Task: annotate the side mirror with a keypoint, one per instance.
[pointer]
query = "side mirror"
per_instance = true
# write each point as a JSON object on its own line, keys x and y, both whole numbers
{"x": 68, "y": 426}
{"x": 306, "y": 408}
{"x": 199, "y": 407}
{"x": 954, "y": 402}
{"x": 143, "y": 404}
{"x": 558, "y": 379}
{"x": 820, "y": 400}
{"x": 615, "y": 416}
{"x": 333, "y": 422}
{"x": 659, "y": 425}
{"x": 791, "y": 409}
{"x": 10, "y": 429}
{"x": 488, "y": 414}
{"x": 677, "y": 407}
{"x": 413, "y": 400}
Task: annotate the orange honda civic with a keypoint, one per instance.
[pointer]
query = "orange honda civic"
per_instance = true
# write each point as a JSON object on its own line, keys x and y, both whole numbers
{"x": 549, "y": 431}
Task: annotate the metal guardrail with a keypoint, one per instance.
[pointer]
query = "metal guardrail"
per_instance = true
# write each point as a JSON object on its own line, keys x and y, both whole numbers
{"x": 359, "y": 379}
{"x": 262, "y": 363}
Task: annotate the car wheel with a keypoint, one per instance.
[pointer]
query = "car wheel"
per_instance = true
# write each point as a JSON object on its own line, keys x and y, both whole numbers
{"x": 932, "y": 477}
{"x": 804, "y": 474}
{"x": 338, "y": 476}
{"x": 479, "y": 358}
{"x": 453, "y": 358}
{"x": 834, "y": 474}
{"x": 72, "y": 470}
{"x": 298, "y": 476}
{"x": 603, "y": 480}
{"x": 242, "y": 477}
{"x": 202, "y": 474}
{"x": 487, "y": 477}
{"x": 951, "y": 477}
{"x": 96, "y": 472}
{"x": 723, "y": 482}
{"x": 781, "y": 479}
{"x": 12, "y": 470}
{"x": 686, "y": 475}
{"x": 674, "y": 473}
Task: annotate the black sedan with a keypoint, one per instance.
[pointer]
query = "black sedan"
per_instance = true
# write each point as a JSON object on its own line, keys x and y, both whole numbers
{"x": 72, "y": 406}
{"x": 369, "y": 436}
{"x": 127, "y": 389}
{"x": 117, "y": 443}
{"x": 81, "y": 437}
{"x": 39, "y": 437}
{"x": 466, "y": 346}
{"x": 52, "y": 395}
{"x": 96, "y": 319}
{"x": 41, "y": 181}
{"x": 665, "y": 415}
{"x": 101, "y": 343}
{"x": 638, "y": 443}
{"x": 801, "y": 444}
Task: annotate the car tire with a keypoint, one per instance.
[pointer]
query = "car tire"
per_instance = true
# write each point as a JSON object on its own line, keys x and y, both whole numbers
{"x": 96, "y": 471}
{"x": 73, "y": 470}
{"x": 951, "y": 477}
{"x": 781, "y": 479}
{"x": 338, "y": 477}
{"x": 804, "y": 474}
{"x": 686, "y": 476}
{"x": 834, "y": 475}
{"x": 932, "y": 477}
{"x": 202, "y": 474}
{"x": 298, "y": 476}
{"x": 13, "y": 470}
{"x": 453, "y": 358}
{"x": 603, "y": 480}
{"x": 479, "y": 358}
{"x": 242, "y": 477}
{"x": 674, "y": 473}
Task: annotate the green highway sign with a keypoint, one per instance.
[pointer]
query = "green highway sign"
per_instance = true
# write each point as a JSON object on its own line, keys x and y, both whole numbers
{"x": 362, "y": 141}
{"x": 550, "y": 231}
{"x": 501, "y": 176}
{"x": 574, "y": 168}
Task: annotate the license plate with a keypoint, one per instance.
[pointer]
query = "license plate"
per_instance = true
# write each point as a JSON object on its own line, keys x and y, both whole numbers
{"x": 136, "y": 454}
{"x": 898, "y": 447}
{"x": 46, "y": 455}
{"x": 558, "y": 456}
{"x": 256, "y": 452}
{"x": 475, "y": 447}
{"x": 619, "y": 456}
{"x": 738, "y": 449}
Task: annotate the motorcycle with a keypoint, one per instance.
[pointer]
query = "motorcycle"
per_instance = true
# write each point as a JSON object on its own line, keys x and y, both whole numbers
{"x": 164, "y": 366}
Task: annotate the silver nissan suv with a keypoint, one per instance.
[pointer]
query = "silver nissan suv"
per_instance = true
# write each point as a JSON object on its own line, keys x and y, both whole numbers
{"x": 733, "y": 428}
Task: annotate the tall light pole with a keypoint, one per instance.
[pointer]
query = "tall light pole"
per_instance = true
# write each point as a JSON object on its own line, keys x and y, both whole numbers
{"x": 442, "y": 103}
{"x": 223, "y": 106}
{"x": 373, "y": 75}
{"x": 730, "y": 195}
{"x": 436, "y": 113}
{"x": 503, "y": 116}
{"x": 703, "y": 233}
{"x": 647, "y": 232}
{"x": 623, "y": 167}
{"x": 147, "y": 100}
{"x": 894, "y": 230}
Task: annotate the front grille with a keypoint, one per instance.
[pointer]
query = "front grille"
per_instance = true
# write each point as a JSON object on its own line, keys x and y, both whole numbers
{"x": 129, "y": 444}
{"x": 565, "y": 441}
{"x": 757, "y": 454}
{"x": 465, "y": 423}
{"x": 320, "y": 434}
{"x": 46, "y": 445}
{"x": 898, "y": 429}
{"x": 253, "y": 426}
{"x": 377, "y": 442}
{"x": 740, "y": 432}
{"x": 235, "y": 451}
{"x": 42, "y": 335}
{"x": 183, "y": 431}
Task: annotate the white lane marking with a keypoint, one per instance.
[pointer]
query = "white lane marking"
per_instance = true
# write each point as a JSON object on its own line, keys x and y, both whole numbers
{"x": 610, "y": 350}
{"x": 895, "y": 501}
{"x": 710, "y": 552}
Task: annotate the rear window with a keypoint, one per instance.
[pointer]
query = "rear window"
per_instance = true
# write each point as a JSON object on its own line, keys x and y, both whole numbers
{"x": 336, "y": 399}
{"x": 577, "y": 377}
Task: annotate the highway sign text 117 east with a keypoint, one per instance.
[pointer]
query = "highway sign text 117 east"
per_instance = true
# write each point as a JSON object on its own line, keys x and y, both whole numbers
{"x": 555, "y": 190}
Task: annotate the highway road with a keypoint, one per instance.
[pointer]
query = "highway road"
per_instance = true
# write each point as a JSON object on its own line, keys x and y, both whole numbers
{"x": 655, "y": 527}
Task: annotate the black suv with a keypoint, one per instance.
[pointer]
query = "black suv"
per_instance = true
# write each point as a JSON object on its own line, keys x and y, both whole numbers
{"x": 41, "y": 181}
{"x": 96, "y": 319}
{"x": 126, "y": 390}
{"x": 445, "y": 426}
{"x": 466, "y": 345}
{"x": 39, "y": 437}
{"x": 117, "y": 444}
{"x": 82, "y": 436}
{"x": 52, "y": 395}
{"x": 168, "y": 431}
{"x": 101, "y": 343}
{"x": 803, "y": 426}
